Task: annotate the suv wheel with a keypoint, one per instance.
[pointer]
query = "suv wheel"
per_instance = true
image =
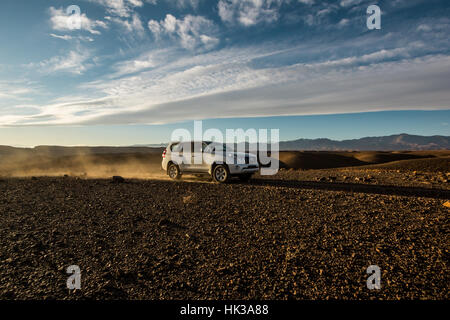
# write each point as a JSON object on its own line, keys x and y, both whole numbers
{"x": 220, "y": 173}
{"x": 173, "y": 171}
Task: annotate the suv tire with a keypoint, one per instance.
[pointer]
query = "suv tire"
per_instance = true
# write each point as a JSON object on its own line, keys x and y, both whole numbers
{"x": 174, "y": 171}
{"x": 220, "y": 173}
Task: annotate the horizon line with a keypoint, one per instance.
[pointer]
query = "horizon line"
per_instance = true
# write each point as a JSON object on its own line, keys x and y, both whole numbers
{"x": 149, "y": 145}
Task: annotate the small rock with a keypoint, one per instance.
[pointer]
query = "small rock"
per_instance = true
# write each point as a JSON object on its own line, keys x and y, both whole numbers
{"x": 118, "y": 179}
{"x": 164, "y": 222}
{"x": 187, "y": 199}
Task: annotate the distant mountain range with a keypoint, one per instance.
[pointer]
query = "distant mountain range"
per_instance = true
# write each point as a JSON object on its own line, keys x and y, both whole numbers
{"x": 399, "y": 142}
{"x": 386, "y": 143}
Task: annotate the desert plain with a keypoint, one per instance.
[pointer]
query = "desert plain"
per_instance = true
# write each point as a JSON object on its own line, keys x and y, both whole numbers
{"x": 309, "y": 232}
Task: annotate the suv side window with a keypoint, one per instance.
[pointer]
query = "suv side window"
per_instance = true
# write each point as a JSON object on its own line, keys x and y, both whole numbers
{"x": 198, "y": 147}
{"x": 176, "y": 147}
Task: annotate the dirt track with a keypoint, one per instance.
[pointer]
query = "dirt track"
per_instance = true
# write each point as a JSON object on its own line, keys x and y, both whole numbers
{"x": 270, "y": 239}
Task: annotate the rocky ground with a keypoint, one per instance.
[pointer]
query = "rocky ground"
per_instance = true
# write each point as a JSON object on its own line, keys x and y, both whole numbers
{"x": 300, "y": 235}
{"x": 372, "y": 176}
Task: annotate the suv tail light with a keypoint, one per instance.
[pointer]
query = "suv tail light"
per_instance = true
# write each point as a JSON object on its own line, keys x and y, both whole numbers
{"x": 164, "y": 153}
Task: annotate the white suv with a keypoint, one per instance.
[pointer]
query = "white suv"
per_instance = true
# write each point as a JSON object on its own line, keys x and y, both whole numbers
{"x": 210, "y": 158}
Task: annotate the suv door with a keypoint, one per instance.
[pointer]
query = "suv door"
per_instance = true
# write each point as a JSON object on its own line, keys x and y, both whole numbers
{"x": 181, "y": 154}
{"x": 198, "y": 164}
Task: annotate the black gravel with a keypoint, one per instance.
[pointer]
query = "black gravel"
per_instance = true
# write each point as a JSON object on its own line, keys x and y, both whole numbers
{"x": 198, "y": 240}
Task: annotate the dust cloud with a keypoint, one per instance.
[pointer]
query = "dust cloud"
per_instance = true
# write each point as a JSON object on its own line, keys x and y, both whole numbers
{"x": 25, "y": 163}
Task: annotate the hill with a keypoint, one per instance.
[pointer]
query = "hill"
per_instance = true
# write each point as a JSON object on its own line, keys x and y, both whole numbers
{"x": 385, "y": 143}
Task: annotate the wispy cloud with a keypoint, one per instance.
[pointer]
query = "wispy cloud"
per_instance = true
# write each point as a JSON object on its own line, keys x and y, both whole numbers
{"x": 186, "y": 3}
{"x": 284, "y": 92}
{"x": 132, "y": 25}
{"x": 249, "y": 12}
{"x": 191, "y": 31}
{"x": 17, "y": 98}
{"x": 228, "y": 58}
{"x": 225, "y": 84}
{"x": 121, "y": 8}
{"x": 63, "y": 37}
{"x": 18, "y": 90}
{"x": 74, "y": 62}
{"x": 139, "y": 64}
{"x": 69, "y": 37}
{"x": 344, "y": 22}
{"x": 307, "y": 2}
{"x": 349, "y": 3}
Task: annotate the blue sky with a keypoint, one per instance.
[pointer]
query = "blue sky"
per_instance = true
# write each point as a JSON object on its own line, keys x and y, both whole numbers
{"x": 137, "y": 69}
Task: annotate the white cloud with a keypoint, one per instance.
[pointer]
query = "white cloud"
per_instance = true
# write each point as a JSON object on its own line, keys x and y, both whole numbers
{"x": 324, "y": 12}
{"x": 74, "y": 62}
{"x": 133, "y": 25}
{"x": 20, "y": 90}
{"x": 350, "y": 3}
{"x": 155, "y": 27}
{"x": 181, "y": 4}
{"x": 424, "y": 27}
{"x": 186, "y": 3}
{"x": 68, "y": 37}
{"x": 225, "y": 84}
{"x": 138, "y": 64}
{"x": 170, "y": 23}
{"x": 434, "y": 25}
{"x": 191, "y": 31}
{"x": 249, "y": 12}
{"x": 296, "y": 90}
{"x": 344, "y": 22}
{"x": 307, "y": 2}
{"x": 121, "y": 8}
{"x": 62, "y": 22}
{"x": 374, "y": 57}
{"x": 134, "y": 66}
{"x": 309, "y": 19}
{"x": 63, "y": 37}
{"x": 173, "y": 84}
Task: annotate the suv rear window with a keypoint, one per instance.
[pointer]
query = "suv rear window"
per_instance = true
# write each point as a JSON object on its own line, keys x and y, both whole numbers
{"x": 180, "y": 147}
{"x": 175, "y": 147}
